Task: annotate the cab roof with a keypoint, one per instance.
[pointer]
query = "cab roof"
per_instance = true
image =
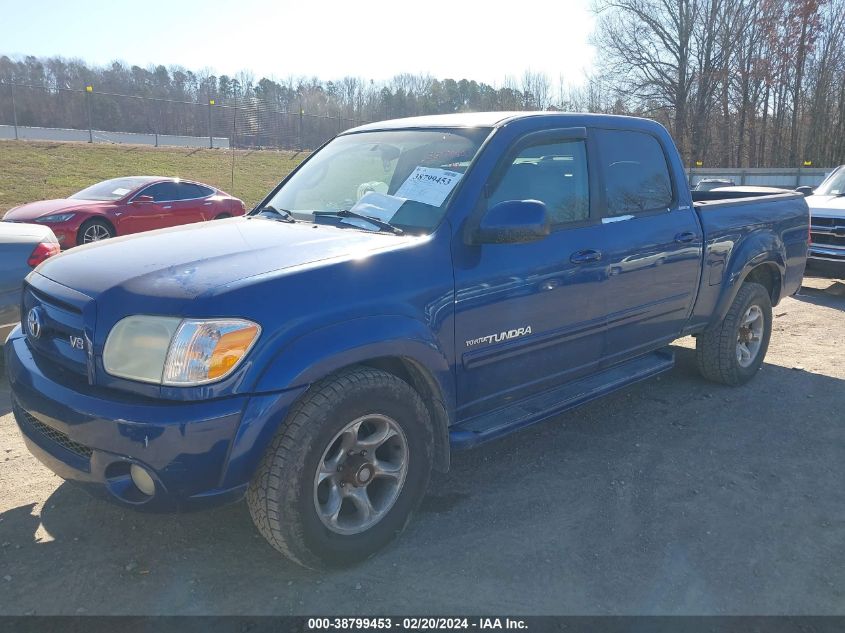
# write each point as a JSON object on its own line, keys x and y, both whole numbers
{"x": 480, "y": 119}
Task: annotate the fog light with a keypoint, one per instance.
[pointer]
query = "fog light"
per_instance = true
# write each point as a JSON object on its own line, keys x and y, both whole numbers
{"x": 141, "y": 478}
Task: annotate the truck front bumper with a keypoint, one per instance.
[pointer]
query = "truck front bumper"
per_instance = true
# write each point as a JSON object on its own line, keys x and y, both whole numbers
{"x": 198, "y": 454}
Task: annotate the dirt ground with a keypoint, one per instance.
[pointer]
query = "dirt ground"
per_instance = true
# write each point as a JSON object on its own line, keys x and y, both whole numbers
{"x": 675, "y": 496}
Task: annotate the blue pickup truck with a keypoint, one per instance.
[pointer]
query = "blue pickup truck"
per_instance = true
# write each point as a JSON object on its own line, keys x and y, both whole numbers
{"x": 413, "y": 288}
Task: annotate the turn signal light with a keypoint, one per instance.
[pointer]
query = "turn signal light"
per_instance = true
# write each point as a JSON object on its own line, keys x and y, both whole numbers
{"x": 230, "y": 348}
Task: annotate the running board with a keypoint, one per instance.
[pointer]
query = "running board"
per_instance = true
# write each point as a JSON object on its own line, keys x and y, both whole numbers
{"x": 489, "y": 426}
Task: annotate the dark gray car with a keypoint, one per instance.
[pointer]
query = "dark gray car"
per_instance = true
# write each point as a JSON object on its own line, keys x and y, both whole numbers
{"x": 22, "y": 247}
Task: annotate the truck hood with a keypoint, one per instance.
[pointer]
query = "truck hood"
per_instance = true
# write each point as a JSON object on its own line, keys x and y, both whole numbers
{"x": 185, "y": 262}
{"x": 35, "y": 210}
{"x": 826, "y": 206}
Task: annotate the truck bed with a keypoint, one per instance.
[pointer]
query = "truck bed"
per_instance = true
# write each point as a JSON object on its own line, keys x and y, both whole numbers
{"x": 738, "y": 221}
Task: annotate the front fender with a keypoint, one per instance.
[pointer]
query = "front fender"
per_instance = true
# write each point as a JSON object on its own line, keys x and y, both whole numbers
{"x": 319, "y": 353}
{"x": 757, "y": 249}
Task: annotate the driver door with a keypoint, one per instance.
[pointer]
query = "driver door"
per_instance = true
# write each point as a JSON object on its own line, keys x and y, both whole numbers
{"x": 530, "y": 316}
{"x": 148, "y": 215}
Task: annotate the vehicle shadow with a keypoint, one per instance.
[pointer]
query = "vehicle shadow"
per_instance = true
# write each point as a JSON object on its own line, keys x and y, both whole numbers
{"x": 659, "y": 494}
{"x": 829, "y": 293}
{"x": 5, "y": 393}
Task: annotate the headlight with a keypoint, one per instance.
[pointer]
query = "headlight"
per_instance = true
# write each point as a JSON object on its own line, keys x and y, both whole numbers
{"x": 54, "y": 219}
{"x": 178, "y": 352}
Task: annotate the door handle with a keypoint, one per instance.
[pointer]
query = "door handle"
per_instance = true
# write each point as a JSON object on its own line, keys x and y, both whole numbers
{"x": 685, "y": 237}
{"x": 586, "y": 256}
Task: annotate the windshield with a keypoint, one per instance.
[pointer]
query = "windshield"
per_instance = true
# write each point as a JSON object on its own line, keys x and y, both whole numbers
{"x": 113, "y": 189}
{"x": 404, "y": 177}
{"x": 834, "y": 185}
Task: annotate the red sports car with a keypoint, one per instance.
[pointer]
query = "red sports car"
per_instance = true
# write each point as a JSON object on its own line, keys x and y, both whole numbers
{"x": 121, "y": 206}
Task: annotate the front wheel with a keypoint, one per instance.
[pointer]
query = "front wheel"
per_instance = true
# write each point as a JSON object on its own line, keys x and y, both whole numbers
{"x": 733, "y": 352}
{"x": 345, "y": 471}
{"x": 93, "y": 230}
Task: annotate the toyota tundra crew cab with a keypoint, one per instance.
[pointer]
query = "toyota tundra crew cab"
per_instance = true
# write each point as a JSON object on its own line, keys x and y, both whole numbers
{"x": 413, "y": 288}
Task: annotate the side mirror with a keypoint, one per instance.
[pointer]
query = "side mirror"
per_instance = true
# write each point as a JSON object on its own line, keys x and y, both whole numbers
{"x": 143, "y": 199}
{"x": 513, "y": 221}
{"x": 807, "y": 191}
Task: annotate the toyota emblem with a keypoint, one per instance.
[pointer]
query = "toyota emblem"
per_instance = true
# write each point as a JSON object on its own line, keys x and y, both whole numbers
{"x": 33, "y": 322}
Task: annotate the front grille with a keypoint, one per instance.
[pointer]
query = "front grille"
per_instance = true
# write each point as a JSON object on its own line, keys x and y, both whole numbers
{"x": 61, "y": 339}
{"x": 55, "y": 435}
{"x": 829, "y": 240}
{"x": 827, "y": 222}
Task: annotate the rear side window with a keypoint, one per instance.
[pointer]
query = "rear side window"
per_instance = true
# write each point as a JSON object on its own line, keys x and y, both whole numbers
{"x": 189, "y": 190}
{"x": 553, "y": 173}
{"x": 636, "y": 175}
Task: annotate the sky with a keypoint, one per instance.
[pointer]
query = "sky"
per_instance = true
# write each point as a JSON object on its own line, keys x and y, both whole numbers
{"x": 374, "y": 39}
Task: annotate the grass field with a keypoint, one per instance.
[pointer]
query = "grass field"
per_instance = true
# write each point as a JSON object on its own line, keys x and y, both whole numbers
{"x": 40, "y": 170}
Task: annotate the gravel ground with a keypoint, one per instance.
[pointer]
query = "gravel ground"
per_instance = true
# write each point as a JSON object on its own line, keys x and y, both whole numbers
{"x": 674, "y": 496}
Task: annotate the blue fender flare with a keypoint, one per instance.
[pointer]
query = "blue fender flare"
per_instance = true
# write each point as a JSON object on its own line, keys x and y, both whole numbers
{"x": 321, "y": 352}
{"x": 757, "y": 250}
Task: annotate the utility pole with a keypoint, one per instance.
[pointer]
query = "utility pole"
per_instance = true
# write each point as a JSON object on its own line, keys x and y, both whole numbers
{"x": 89, "y": 89}
{"x": 14, "y": 111}
{"x": 210, "y": 137}
{"x": 301, "y": 112}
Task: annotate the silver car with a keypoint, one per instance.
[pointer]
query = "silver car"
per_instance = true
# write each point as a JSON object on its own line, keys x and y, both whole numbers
{"x": 22, "y": 248}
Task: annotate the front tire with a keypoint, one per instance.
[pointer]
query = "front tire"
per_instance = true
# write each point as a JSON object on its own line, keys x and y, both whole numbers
{"x": 345, "y": 471}
{"x": 93, "y": 230}
{"x": 733, "y": 352}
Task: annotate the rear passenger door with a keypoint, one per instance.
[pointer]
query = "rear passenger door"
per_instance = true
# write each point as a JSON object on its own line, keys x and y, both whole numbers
{"x": 191, "y": 204}
{"x": 652, "y": 244}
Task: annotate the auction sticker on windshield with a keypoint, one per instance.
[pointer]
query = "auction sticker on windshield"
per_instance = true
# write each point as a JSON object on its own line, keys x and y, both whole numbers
{"x": 429, "y": 185}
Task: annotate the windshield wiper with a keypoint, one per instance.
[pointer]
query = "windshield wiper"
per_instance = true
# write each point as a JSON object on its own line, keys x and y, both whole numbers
{"x": 282, "y": 214}
{"x": 346, "y": 213}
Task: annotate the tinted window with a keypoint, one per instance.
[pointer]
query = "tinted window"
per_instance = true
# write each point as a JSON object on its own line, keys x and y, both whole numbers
{"x": 170, "y": 191}
{"x": 635, "y": 172}
{"x": 162, "y": 191}
{"x": 555, "y": 174}
{"x": 188, "y": 190}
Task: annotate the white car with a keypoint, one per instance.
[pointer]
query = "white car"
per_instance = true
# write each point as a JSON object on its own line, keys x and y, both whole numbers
{"x": 827, "y": 219}
{"x": 22, "y": 248}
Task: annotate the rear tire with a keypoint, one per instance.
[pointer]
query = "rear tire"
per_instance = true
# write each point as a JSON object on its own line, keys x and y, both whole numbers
{"x": 307, "y": 496}
{"x": 94, "y": 230}
{"x": 732, "y": 352}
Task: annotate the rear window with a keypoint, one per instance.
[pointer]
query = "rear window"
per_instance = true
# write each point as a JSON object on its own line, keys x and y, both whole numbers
{"x": 635, "y": 172}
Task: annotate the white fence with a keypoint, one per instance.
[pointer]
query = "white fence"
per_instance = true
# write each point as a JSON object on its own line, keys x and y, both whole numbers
{"x": 788, "y": 178}
{"x": 101, "y": 136}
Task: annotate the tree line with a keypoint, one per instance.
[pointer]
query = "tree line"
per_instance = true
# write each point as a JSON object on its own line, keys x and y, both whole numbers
{"x": 739, "y": 83}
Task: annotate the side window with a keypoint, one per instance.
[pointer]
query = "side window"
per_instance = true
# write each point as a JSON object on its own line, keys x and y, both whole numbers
{"x": 187, "y": 190}
{"x": 161, "y": 192}
{"x": 554, "y": 173}
{"x": 636, "y": 175}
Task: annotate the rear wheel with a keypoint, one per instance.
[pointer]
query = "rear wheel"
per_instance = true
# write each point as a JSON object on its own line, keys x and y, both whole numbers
{"x": 94, "y": 230}
{"x": 732, "y": 352}
{"x": 345, "y": 471}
